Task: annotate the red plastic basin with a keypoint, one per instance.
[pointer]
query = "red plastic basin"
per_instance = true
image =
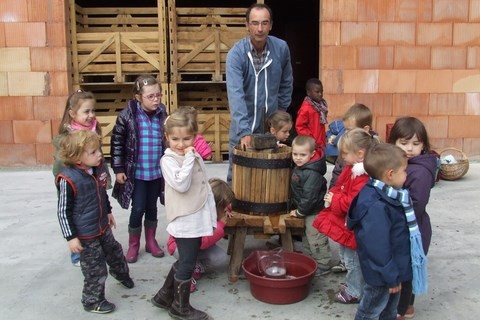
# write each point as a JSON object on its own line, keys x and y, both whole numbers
{"x": 300, "y": 268}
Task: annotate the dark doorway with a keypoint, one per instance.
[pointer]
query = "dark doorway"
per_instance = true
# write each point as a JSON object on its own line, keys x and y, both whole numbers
{"x": 298, "y": 24}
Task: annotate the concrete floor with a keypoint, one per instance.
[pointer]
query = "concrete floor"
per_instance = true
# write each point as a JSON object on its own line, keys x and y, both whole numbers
{"x": 38, "y": 281}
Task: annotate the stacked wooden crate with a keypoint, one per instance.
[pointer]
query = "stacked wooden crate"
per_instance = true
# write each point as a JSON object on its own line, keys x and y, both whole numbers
{"x": 199, "y": 40}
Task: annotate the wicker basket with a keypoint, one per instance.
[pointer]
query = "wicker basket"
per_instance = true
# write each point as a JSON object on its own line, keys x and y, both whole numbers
{"x": 454, "y": 171}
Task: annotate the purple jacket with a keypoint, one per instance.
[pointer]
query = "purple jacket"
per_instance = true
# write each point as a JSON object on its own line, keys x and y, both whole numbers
{"x": 420, "y": 179}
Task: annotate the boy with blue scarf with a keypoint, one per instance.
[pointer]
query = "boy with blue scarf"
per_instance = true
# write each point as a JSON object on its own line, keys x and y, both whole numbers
{"x": 379, "y": 216}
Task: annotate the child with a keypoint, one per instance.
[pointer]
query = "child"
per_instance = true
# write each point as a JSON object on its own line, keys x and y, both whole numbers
{"x": 312, "y": 115}
{"x": 308, "y": 187}
{"x": 136, "y": 149}
{"x": 79, "y": 114}
{"x": 86, "y": 219}
{"x": 279, "y": 124}
{"x": 334, "y": 133}
{"x": 378, "y": 220}
{"x": 211, "y": 256}
{"x": 353, "y": 146}
{"x": 410, "y": 135}
{"x": 190, "y": 210}
{"x": 357, "y": 116}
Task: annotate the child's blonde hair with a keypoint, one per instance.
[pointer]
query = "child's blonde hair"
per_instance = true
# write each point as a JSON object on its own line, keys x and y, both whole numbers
{"x": 142, "y": 81}
{"x": 75, "y": 143}
{"x": 222, "y": 193}
{"x": 361, "y": 114}
{"x": 74, "y": 102}
{"x": 278, "y": 120}
{"x": 355, "y": 140}
{"x": 383, "y": 157}
{"x": 182, "y": 117}
{"x": 302, "y": 140}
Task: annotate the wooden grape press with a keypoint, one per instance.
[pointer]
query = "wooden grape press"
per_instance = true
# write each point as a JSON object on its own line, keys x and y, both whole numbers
{"x": 261, "y": 183}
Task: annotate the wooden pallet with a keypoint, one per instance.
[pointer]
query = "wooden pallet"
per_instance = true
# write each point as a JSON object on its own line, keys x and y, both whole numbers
{"x": 200, "y": 39}
{"x": 118, "y": 44}
{"x": 263, "y": 227}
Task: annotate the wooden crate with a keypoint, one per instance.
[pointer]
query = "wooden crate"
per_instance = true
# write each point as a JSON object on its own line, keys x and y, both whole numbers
{"x": 214, "y": 127}
{"x": 200, "y": 39}
{"x": 118, "y": 44}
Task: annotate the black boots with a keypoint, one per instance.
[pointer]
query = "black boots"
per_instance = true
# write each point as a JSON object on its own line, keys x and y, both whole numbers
{"x": 164, "y": 297}
{"x": 181, "y": 308}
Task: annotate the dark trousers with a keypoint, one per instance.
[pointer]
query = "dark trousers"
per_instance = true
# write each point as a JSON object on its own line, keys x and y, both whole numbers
{"x": 406, "y": 298}
{"x": 188, "y": 249}
{"x": 144, "y": 200}
{"x": 96, "y": 255}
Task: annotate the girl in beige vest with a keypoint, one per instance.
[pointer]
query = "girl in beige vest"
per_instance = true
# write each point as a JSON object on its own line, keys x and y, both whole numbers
{"x": 190, "y": 210}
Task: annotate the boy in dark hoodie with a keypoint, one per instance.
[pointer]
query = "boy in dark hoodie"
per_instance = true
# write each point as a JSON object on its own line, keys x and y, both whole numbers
{"x": 308, "y": 190}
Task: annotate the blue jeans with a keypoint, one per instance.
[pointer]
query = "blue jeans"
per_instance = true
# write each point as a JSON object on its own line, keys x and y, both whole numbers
{"x": 144, "y": 200}
{"x": 188, "y": 249}
{"x": 354, "y": 278}
{"x": 377, "y": 303}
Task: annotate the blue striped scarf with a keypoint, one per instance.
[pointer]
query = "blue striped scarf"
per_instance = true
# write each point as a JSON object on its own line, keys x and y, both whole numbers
{"x": 419, "y": 260}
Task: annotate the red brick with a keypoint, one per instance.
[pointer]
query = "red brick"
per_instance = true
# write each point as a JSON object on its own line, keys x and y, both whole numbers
{"x": 396, "y": 33}
{"x": 359, "y": 33}
{"x": 396, "y": 81}
{"x": 32, "y": 131}
{"x": 360, "y": 81}
{"x": 25, "y": 34}
{"x": 440, "y": 144}
{"x": 473, "y": 58}
{"x": 434, "y": 34}
{"x": 447, "y": 104}
{"x": 332, "y": 81}
{"x": 338, "y": 104}
{"x": 13, "y": 10}
{"x": 44, "y": 153}
{"x": 2, "y": 35}
{"x": 448, "y": 10}
{"x": 375, "y": 57}
{"x": 379, "y": 104}
{"x": 463, "y": 127}
{"x": 330, "y": 33}
{"x": 17, "y": 155}
{"x": 474, "y": 15}
{"x": 60, "y": 83}
{"x": 434, "y": 81}
{"x": 6, "y": 131}
{"x": 13, "y": 108}
{"x": 414, "y": 10}
{"x": 471, "y": 147}
{"x": 338, "y": 10}
{"x": 449, "y": 58}
{"x": 437, "y": 127}
{"x": 57, "y": 34}
{"x": 412, "y": 57}
{"x": 411, "y": 104}
{"x": 466, "y": 34}
{"x": 472, "y": 106}
{"x": 48, "y": 108}
{"x": 466, "y": 81}
{"x": 341, "y": 57}
{"x": 37, "y": 10}
{"x": 49, "y": 59}
{"x": 376, "y": 10}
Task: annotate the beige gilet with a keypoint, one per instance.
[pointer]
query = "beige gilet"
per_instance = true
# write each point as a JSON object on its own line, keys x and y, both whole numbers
{"x": 182, "y": 204}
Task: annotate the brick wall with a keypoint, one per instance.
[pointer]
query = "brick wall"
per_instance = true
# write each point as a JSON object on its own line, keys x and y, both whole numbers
{"x": 34, "y": 78}
{"x": 406, "y": 57}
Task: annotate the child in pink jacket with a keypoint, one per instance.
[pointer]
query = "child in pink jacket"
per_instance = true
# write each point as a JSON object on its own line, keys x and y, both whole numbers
{"x": 211, "y": 256}
{"x": 202, "y": 147}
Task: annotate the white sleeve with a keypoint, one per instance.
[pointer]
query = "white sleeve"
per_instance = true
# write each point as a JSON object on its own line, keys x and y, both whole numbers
{"x": 178, "y": 177}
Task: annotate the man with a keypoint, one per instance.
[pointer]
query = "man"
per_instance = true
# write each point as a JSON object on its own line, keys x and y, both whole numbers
{"x": 259, "y": 79}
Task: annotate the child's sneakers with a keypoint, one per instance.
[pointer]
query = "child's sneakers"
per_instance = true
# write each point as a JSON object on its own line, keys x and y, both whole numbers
{"x": 343, "y": 297}
{"x": 198, "y": 271}
{"x": 100, "y": 307}
{"x": 339, "y": 268}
